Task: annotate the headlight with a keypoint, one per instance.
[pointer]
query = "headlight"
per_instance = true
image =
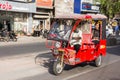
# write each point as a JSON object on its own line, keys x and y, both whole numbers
{"x": 57, "y": 45}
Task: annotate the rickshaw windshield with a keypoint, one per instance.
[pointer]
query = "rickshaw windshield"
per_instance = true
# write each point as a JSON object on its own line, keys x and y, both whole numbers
{"x": 60, "y": 30}
{"x": 85, "y": 27}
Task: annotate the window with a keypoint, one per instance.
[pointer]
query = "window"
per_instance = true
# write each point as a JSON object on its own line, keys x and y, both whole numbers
{"x": 85, "y": 27}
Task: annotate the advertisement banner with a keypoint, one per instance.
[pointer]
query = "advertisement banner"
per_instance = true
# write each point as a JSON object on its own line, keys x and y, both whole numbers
{"x": 64, "y": 7}
{"x": 44, "y": 3}
{"x": 86, "y": 6}
{"x": 89, "y": 6}
{"x": 19, "y": 7}
{"x": 21, "y": 0}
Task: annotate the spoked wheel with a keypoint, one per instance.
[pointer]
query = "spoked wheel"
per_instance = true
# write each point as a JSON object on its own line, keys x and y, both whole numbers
{"x": 58, "y": 67}
{"x": 98, "y": 61}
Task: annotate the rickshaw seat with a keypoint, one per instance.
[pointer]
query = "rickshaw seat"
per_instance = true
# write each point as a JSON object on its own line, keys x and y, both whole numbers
{"x": 86, "y": 39}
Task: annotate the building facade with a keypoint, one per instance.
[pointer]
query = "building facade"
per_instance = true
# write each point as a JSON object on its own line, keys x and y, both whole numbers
{"x": 44, "y": 12}
{"x": 22, "y": 16}
{"x": 76, "y": 7}
{"x": 17, "y": 15}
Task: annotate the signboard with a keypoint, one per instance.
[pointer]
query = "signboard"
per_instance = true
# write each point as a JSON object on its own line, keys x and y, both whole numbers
{"x": 44, "y": 3}
{"x": 19, "y": 7}
{"x": 95, "y": 8}
{"x": 89, "y": 5}
{"x": 64, "y": 7}
{"x": 5, "y": 6}
{"x": 87, "y": 1}
{"x": 86, "y": 6}
{"x": 22, "y": 0}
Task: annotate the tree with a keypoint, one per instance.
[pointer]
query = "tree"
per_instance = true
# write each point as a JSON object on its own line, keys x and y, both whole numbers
{"x": 110, "y": 7}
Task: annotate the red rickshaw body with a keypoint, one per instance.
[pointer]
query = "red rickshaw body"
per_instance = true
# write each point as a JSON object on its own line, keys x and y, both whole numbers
{"x": 89, "y": 51}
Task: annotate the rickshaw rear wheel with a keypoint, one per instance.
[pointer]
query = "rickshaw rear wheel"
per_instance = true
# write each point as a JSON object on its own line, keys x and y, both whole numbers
{"x": 58, "y": 67}
{"x": 98, "y": 61}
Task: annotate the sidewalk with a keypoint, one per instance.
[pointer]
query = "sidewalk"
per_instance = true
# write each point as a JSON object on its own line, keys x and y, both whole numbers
{"x": 23, "y": 40}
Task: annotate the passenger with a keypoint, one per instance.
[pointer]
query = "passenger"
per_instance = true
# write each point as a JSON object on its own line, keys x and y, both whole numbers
{"x": 76, "y": 38}
{"x": 67, "y": 29}
{"x": 117, "y": 30}
{"x": 96, "y": 33}
{"x": 68, "y": 26}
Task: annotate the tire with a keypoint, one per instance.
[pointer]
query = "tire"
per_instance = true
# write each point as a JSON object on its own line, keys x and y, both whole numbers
{"x": 57, "y": 67}
{"x": 98, "y": 61}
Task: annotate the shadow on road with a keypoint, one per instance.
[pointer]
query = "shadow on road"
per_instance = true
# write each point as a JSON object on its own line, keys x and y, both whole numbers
{"x": 46, "y": 60}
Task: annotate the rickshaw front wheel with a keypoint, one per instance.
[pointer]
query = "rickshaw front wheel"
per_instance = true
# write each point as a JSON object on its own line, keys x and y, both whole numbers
{"x": 98, "y": 61}
{"x": 58, "y": 67}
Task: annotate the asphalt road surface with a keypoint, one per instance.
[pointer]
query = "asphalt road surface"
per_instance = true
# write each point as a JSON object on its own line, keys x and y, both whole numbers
{"x": 13, "y": 50}
{"x": 108, "y": 71}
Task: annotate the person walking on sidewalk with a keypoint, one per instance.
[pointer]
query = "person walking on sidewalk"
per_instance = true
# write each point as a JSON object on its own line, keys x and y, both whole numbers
{"x": 117, "y": 30}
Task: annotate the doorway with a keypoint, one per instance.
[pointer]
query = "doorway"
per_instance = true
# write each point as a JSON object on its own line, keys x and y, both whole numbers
{"x": 6, "y": 23}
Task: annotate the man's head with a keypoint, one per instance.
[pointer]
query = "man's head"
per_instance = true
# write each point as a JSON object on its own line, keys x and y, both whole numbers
{"x": 68, "y": 22}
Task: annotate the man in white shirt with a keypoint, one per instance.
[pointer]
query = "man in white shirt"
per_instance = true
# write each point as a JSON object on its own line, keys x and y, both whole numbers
{"x": 76, "y": 39}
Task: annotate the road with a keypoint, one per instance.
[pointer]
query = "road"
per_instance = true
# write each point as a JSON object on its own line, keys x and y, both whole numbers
{"x": 13, "y": 50}
{"x": 38, "y": 66}
{"x": 108, "y": 71}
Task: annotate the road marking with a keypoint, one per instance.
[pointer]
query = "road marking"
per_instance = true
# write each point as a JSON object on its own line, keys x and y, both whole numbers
{"x": 72, "y": 76}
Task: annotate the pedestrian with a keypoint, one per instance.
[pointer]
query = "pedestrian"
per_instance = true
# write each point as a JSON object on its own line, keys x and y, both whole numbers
{"x": 117, "y": 30}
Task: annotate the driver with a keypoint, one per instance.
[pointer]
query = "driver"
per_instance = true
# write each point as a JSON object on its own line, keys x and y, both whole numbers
{"x": 76, "y": 38}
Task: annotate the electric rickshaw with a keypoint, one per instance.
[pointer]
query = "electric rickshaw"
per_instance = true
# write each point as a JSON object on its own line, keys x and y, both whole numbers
{"x": 60, "y": 36}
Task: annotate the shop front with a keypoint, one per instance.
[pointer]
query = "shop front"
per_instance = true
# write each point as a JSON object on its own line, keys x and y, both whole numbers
{"x": 15, "y": 17}
{"x": 6, "y": 20}
{"x": 44, "y": 11}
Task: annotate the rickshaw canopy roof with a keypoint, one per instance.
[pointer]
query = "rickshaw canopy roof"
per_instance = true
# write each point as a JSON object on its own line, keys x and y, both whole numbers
{"x": 82, "y": 16}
